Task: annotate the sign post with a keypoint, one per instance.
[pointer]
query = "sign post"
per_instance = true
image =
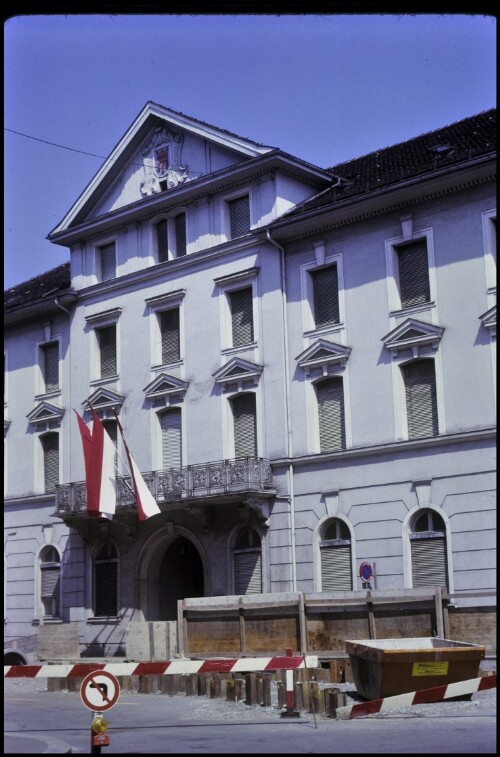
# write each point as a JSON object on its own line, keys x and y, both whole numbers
{"x": 99, "y": 692}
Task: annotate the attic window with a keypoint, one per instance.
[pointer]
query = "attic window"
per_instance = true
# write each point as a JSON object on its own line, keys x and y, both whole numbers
{"x": 442, "y": 150}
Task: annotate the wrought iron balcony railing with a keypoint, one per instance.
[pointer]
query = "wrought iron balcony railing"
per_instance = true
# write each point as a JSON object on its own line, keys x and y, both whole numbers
{"x": 194, "y": 482}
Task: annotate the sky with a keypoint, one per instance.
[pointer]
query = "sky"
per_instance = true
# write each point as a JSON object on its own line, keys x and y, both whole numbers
{"x": 324, "y": 88}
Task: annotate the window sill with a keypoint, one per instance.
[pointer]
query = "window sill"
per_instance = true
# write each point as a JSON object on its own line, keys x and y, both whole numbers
{"x": 104, "y": 620}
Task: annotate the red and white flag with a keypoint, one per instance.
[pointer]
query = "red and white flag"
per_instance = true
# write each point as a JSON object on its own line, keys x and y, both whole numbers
{"x": 99, "y": 455}
{"x": 146, "y": 503}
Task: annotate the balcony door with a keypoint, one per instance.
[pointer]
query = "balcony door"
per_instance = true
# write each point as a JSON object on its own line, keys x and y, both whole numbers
{"x": 181, "y": 576}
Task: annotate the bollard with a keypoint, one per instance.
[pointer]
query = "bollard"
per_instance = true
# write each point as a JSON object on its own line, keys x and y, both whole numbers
{"x": 230, "y": 690}
{"x": 250, "y": 688}
{"x": 266, "y": 689}
{"x": 335, "y": 699}
{"x": 238, "y": 689}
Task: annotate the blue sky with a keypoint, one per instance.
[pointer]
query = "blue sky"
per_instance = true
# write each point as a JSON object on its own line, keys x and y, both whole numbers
{"x": 325, "y": 88}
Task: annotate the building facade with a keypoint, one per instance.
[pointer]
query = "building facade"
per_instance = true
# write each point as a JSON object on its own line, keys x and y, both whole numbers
{"x": 303, "y": 361}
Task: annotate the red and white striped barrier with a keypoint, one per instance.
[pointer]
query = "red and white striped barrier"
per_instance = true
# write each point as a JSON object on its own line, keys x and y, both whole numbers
{"x": 169, "y": 667}
{"x": 436, "y": 694}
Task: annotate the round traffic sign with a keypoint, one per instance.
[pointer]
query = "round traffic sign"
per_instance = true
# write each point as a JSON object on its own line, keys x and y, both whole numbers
{"x": 100, "y": 690}
{"x": 365, "y": 571}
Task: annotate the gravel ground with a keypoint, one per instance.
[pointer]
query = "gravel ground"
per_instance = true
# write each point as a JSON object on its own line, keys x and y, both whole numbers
{"x": 220, "y": 709}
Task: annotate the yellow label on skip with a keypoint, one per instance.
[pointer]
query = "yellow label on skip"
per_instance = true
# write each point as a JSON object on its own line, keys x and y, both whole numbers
{"x": 429, "y": 669}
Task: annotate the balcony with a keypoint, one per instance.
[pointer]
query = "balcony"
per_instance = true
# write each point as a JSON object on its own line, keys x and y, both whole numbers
{"x": 219, "y": 482}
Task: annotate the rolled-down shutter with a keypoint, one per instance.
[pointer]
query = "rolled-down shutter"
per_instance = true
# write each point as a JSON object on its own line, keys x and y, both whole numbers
{"x": 413, "y": 274}
{"x": 429, "y": 565}
{"x": 162, "y": 239}
{"x": 107, "y": 347}
{"x": 248, "y": 572}
{"x": 51, "y": 366}
{"x": 50, "y": 444}
{"x": 170, "y": 336}
{"x": 421, "y": 399}
{"x": 50, "y": 580}
{"x": 336, "y": 569}
{"x": 239, "y": 216}
{"x": 326, "y": 296}
{"x": 180, "y": 234}
{"x": 242, "y": 316}
{"x": 331, "y": 414}
{"x": 245, "y": 426}
{"x": 108, "y": 262}
{"x": 171, "y": 429}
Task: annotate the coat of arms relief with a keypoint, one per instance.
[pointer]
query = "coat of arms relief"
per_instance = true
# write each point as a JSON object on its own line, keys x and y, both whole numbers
{"x": 162, "y": 161}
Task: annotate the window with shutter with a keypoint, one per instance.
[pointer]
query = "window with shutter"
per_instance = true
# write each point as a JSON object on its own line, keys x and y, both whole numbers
{"x": 50, "y": 447}
{"x": 107, "y": 349}
{"x": 106, "y": 581}
{"x": 421, "y": 399}
{"x": 50, "y": 354}
{"x": 248, "y": 563}
{"x": 180, "y": 234}
{"x": 326, "y": 296}
{"x": 239, "y": 216}
{"x": 112, "y": 430}
{"x": 108, "y": 262}
{"x": 171, "y": 431}
{"x": 241, "y": 304}
{"x": 170, "y": 335}
{"x": 162, "y": 240}
{"x": 413, "y": 266}
{"x": 429, "y": 563}
{"x": 245, "y": 425}
{"x": 330, "y": 395}
{"x": 50, "y": 569}
{"x": 336, "y": 562}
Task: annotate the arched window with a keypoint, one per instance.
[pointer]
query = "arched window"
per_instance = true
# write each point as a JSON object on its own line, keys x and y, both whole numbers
{"x": 421, "y": 399}
{"x": 245, "y": 425}
{"x": 335, "y": 551}
{"x": 50, "y": 448}
{"x": 247, "y": 555}
{"x": 49, "y": 564}
{"x": 106, "y": 581}
{"x": 429, "y": 564}
{"x": 330, "y": 395}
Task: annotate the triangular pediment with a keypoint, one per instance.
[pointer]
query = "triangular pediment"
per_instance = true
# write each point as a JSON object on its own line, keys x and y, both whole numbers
{"x": 489, "y": 319}
{"x": 166, "y": 387}
{"x": 46, "y": 414}
{"x": 413, "y": 335}
{"x": 323, "y": 354}
{"x": 162, "y": 149}
{"x": 104, "y": 401}
{"x": 239, "y": 372}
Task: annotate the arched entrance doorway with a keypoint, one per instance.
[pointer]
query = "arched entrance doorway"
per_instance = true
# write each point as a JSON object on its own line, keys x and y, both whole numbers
{"x": 180, "y": 576}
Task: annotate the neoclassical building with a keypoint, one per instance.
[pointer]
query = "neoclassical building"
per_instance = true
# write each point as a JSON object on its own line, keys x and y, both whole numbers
{"x": 303, "y": 360}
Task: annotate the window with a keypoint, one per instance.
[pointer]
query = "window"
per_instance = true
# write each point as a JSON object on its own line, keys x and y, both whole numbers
{"x": 239, "y": 216}
{"x": 106, "y": 581}
{"x": 421, "y": 400}
{"x": 413, "y": 270}
{"x": 50, "y": 366}
{"x": 50, "y": 448}
{"x": 180, "y": 234}
{"x": 241, "y": 306}
{"x": 162, "y": 240}
{"x": 171, "y": 437}
{"x": 325, "y": 296}
{"x": 330, "y": 395}
{"x": 111, "y": 429}
{"x": 50, "y": 573}
{"x": 106, "y": 338}
{"x": 107, "y": 256}
{"x": 170, "y": 335}
{"x": 336, "y": 560}
{"x": 247, "y": 555}
{"x": 245, "y": 425}
{"x": 429, "y": 565}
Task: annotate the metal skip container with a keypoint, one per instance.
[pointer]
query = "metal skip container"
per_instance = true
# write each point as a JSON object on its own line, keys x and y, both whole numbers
{"x": 387, "y": 667}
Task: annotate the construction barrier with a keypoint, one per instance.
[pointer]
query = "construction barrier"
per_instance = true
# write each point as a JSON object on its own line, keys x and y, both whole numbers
{"x": 425, "y": 696}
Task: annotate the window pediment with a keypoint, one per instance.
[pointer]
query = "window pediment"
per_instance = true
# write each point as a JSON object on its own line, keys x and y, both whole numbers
{"x": 414, "y": 336}
{"x": 321, "y": 355}
{"x": 166, "y": 389}
{"x": 46, "y": 415}
{"x": 104, "y": 401}
{"x": 489, "y": 319}
{"x": 106, "y": 318}
{"x": 237, "y": 371}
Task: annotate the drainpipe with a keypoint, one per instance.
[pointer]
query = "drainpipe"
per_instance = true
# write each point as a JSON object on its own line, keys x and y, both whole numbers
{"x": 286, "y": 394}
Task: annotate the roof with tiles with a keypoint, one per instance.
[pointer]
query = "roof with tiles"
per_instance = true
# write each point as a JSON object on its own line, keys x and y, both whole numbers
{"x": 38, "y": 289}
{"x": 457, "y": 143}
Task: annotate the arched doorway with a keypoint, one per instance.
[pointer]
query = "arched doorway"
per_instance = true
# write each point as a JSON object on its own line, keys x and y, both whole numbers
{"x": 180, "y": 576}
